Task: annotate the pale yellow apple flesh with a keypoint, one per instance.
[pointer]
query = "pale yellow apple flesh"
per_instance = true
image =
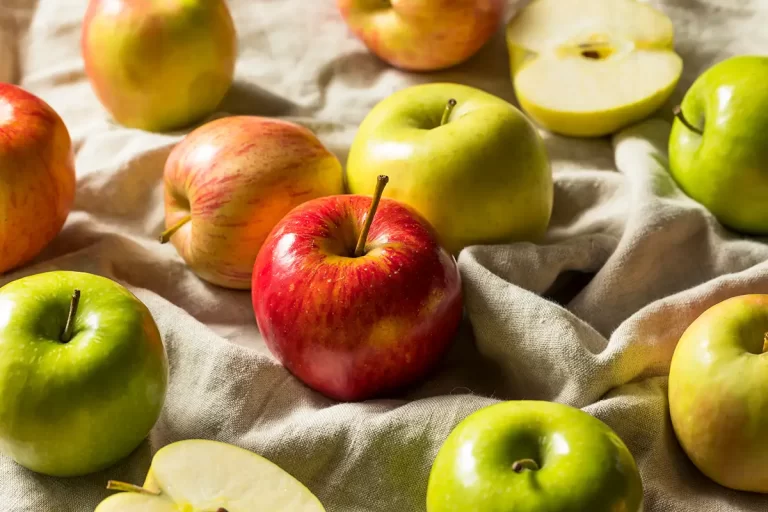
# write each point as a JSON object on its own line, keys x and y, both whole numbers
{"x": 207, "y": 476}
{"x": 590, "y": 68}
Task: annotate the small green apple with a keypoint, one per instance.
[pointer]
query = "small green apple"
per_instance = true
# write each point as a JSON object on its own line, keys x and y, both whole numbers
{"x": 534, "y": 456}
{"x": 717, "y": 399}
{"x": 469, "y": 162}
{"x": 718, "y": 148}
{"x": 83, "y": 372}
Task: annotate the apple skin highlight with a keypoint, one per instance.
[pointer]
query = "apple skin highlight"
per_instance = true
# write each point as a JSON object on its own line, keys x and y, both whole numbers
{"x": 355, "y": 328}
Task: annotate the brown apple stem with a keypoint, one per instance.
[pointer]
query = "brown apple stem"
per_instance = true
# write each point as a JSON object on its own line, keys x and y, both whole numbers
{"x": 69, "y": 327}
{"x": 447, "y": 111}
{"x": 168, "y": 233}
{"x": 678, "y": 112}
{"x": 765, "y": 343}
{"x": 520, "y": 465}
{"x": 114, "y": 485}
{"x": 381, "y": 182}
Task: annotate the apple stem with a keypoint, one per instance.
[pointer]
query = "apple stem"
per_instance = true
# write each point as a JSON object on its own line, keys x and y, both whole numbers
{"x": 69, "y": 327}
{"x": 221, "y": 509}
{"x": 678, "y": 112}
{"x": 447, "y": 111}
{"x": 168, "y": 233}
{"x": 114, "y": 485}
{"x": 381, "y": 182}
{"x": 765, "y": 342}
{"x": 520, "y": 465}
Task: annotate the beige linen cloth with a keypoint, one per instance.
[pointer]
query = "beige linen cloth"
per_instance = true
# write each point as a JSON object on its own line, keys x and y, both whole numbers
{"x": 590, "y": 318}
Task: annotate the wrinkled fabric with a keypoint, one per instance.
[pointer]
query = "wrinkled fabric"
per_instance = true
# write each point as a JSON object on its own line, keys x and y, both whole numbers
{"x": 590, "y": 317}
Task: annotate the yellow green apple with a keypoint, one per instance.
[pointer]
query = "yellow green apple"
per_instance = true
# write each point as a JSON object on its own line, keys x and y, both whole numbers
{"x": 159, "y": 65}
{"x": 37, "y": 175}
{"x": 469, "y": 162}
{"x": 533, "y": 456}
{"x": 717, "y": 399}
{"x": 718, "y": 148}
{"x": 83, "y": 372}
{"x": 211, "y": 476}
{"x": 592, "y": 67}
{"x": 230, "y": 181}
{"x": 423, "y": 35}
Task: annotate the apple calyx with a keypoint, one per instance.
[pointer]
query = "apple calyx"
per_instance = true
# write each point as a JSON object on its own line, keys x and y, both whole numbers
{"x": 521, "y": 465}
{"x": 69, "y": 327}
{"x": 381, "y": 182}
{"x": 166, "y": 235}
{"x": 447, "y": 112}
{"x": 678, "y": 112}
{"x": 114, "y": 485}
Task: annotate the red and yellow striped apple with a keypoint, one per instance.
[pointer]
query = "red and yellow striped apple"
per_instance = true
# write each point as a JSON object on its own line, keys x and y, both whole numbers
{"x": 230, "y": 181}
{"x": 356, "y": 302}
{"x": 159, "y": 65}
{"x": 423, "y": 35}
{"x": 37, "y": 175}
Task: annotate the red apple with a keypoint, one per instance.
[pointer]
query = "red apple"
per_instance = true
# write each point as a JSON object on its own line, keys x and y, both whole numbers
{"x": 230, "y": 181}
{"x": 423, "y": 35}
{"x": 37, "y": 175}
{"x": 354, "y": 305}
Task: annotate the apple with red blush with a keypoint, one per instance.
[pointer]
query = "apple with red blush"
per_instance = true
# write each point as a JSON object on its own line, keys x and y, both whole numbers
{"x": 423, "y": 35}
{"x": 227, "y": 184}
{"x": 354, "y": 295}
{"x": 37, "y": 175}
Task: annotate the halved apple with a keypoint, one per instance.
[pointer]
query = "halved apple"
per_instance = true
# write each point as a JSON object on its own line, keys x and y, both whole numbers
{"x": 210, "y": 476}
{"x": 592, "y": 67}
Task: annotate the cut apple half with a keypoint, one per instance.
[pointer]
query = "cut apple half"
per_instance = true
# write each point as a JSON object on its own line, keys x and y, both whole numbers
{"x": 210, "y": 476}
{"x": 589, "y": 68}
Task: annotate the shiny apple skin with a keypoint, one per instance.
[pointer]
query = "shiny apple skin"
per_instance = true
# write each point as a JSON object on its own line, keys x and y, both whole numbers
{"x": 159, "y": 65}
{"x": 717, "y": 392}
{"x": 237, "y": 177}
{"x": 356, "y": 328}
{"x": 37, "y": 176}
{"x": 423, "y": 35}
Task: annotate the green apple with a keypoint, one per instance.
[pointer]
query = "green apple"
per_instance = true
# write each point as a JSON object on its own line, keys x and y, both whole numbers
{"x": 592, "y": 67}
{"x": 83, "y": 372}
{"x": 718, "y": 148}
{"x": 717, "y": 392}
{"x": 469, "y": 162}
{"x": 533, "y": 456}
{"x": 201, "y": 475}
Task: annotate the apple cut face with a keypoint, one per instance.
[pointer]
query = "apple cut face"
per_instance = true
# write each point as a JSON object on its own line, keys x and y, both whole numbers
{"x": 591, "y": 67}
{"x": 203, "y": 476}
